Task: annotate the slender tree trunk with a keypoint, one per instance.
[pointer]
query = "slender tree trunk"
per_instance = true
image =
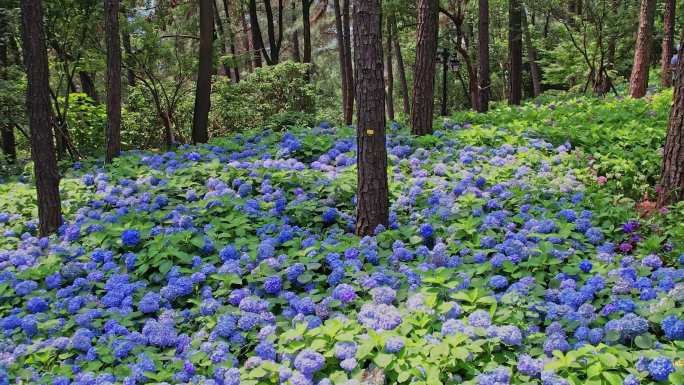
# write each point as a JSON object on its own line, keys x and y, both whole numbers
{"x": 113, "y": 136}
{"x": 348, "y": 68}
{"x": 88, "y": 85}
{"x": 9, "y": 146}
{"x": 389, "y": 71}
{"x": 126, "y": 40}
{"x": 424, "y": 74}
{"x": 231, "y": 42}
{"x": 372, "y": 193}
{"x": 515, "y": 51}
{"x": 257, "y": 40}
{"x": 443, "y": 111}
{"x": 341, "y": 52}
{"x": 200, "y": 118}
{"x": 483, "y": 53}
{"x": 400, "y": 67}
{"x": 306, "y": 29}
{"x": 296, "y": 55}
{"x": 38, "y": 108}
{"x": 671, "y": 189}
{"x": 535, "y": 73}
{"x": 247, "y": 44}
{"x": 638, "y": 82}
{"x": 274, "y": 42}
{"x": 668, "y": 33}
{"x": 222, "y": 38}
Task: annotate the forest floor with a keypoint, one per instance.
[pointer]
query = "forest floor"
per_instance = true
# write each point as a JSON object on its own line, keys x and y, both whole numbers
{"x": 511, "y": 258}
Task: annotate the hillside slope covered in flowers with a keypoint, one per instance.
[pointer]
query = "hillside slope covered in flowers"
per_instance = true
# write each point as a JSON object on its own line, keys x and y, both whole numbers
{"x": 236, "y": 263}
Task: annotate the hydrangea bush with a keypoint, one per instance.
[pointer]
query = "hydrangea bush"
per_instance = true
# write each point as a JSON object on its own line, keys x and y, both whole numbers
{"x": 235, "y": 263}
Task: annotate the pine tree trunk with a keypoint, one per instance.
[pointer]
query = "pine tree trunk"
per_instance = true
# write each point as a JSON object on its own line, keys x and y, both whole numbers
{"x": 668, "y": 34}
{"x": 200, "y": 117}
{"x": 38, "y": 111}
{"x": 348, "y": 68}
{"x": 638, "y": 82}
{"x": 671, "y": 189}
{"x": 88, "y": 86}
{"x": 341, "y": 52}
{"x": 372, "y": 194}
{"x": 400, "y": 67}
{"x": 113, "y": 137}
{"x": 515, "y": 52}
{"x": 535, "y": 73}
{"x": 424, "y": 74}
{"x": 306, "y": 29}
{"x": 389, "y": 71}
{"x": 483, "y": 53}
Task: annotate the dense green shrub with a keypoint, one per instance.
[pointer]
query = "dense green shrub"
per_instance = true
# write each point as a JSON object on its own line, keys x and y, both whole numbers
{"x": 276, "y": 96}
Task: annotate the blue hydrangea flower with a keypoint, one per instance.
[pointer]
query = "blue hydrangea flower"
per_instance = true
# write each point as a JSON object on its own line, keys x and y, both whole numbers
{"x": 660, "y": 368}
{"x": 130, "y": 238}
{"x": 308, "y": 362}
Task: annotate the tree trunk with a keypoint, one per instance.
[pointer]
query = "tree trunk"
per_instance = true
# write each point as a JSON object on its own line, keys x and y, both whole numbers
{"x": 113, "y": 136}
{"x": 443, "y": 111}
{"x": 424, "y": 74}
{"x": 515, "y": 52}
{"x": 274, "y": 42}
{"x": 306, "y": 29}
{"x": 9, "y": 146}
{"x": 341, "y": 52}
{"x": 247, "y": 44}
{"x": 38, "y": 111}
{"x": 671, "y": 189}
{"x": 372, "y": 193}
{"x": 348, "y": 68}
{"x": 257, "y": 41}
{"x": 231, "y": 42}
{"x": 296, "y": 55}
{"x": 400, "y": 67}
{"x": 668, "y": 33}
{"x": 535, "y": 73}
{"x": 223, "y": 38}
{"x": 126, "y": 39}
{"x": 389, "y": 71}
{"x": 483, "y": 53}
{"x": 200, "y": 117}
{"x": 638, "y": 82}
{"x": 88, "y": 86}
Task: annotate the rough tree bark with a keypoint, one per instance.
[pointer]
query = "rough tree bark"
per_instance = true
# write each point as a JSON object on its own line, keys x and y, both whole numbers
{"x": 113, "y": 137}
{"x": 515, "y": 52}
{"x": 535, "y": 72}
{"x": 200, "y": 116}
{"x": 400, "y": 67}
{"x": 483, "y": 54}
{"x": 389, "y": 73}
{"x": 671, "y": 187}
{"x": 668, "y": 34}
{"x": 424, "y": 74}
{"x": 638, "y": 81}
{"x": 348, "y": 68}
{"x": 38, "y": 108}
{"x": 372, "y": 193}
{"x": 306, "y": 29}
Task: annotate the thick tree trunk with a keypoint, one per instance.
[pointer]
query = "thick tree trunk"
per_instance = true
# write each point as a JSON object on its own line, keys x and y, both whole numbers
{"x": 341, "y": 53}
{"x": 296, "y": 55}
{"x": 535, "y": 72}
{"x": 668, "y": 33}
{"x": 424, "y": 74}
{"x": 483, "y": 53}
{"x": 515, "y": 52}
{"x": 88, "y": 86}
{"x": 38, "y": 109}
{"x": 257, "y": 40}
{"x": 638, "y": 81}
{"x": 400, "y": 67}
{"x": 348, "y": 68}
{"x": 200, "y": 117}
{"x": 306, "y": 29}
{"x": 671, "y": 189}
{"x": 113, "y": 137}
{"x": 389, "y": 71}
{"x": 372, "y": 193}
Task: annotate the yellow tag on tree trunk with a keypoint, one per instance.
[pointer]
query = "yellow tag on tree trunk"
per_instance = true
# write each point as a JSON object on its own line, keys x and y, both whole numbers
{"x": 370, "y": 132}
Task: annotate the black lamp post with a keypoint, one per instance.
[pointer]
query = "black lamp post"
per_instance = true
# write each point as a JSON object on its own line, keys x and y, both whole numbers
{"x": 451, "y": 63}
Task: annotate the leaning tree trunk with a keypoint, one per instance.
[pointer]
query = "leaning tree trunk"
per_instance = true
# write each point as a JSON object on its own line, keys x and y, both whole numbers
{"x": 348, "y": 68}
{"x": 200, "y": 117}
{"x": 339, "y": 30}
{"x": 672, "y": 175}
{"x": 483, "y": 53}
{"x": 306, "y": 29}
{"x": 38, "y": 109}
{"x": 515, "y": 52}
{"x": 638, "y": 81}
{"x": 424, "y": 74}
{"x": 400, "y": 67}
{"x": 113, "y": 137}
{"x": 372, "y": 193}
{"x": 389, "y": 70}
{"x": 668, "y": 33}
